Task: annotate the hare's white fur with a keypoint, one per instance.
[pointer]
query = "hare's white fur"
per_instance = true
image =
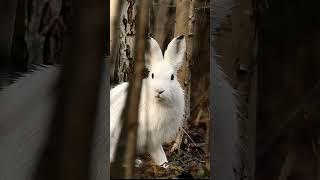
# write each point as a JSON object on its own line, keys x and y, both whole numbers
{"x": 162, "y": 101}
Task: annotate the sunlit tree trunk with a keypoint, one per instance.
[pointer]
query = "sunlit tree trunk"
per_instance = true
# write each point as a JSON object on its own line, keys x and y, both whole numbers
{"x": 184, "y": 10}
{"x": 200, "y": 70}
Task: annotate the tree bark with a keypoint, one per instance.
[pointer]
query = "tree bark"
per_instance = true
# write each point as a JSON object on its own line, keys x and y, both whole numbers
{"x": 39, "y": 31}
{"x": 183, "y": 8}
{"x": 200, "y": 69}
{"x": 123, "y": 66}
{"x": 19, "y": 51}
{"x": 41, "y": 17}
{"x": 200, "y": 55}
{"x": 115, "y": 7}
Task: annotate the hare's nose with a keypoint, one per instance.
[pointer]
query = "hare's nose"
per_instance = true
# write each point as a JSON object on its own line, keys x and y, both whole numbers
{"x": 160, "y": 91}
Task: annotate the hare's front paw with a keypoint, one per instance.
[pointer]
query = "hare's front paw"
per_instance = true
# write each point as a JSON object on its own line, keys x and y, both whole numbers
{"x": 165, "y": 165}
{"x": 159, "y": 156}
{"x": 137, "y": 163}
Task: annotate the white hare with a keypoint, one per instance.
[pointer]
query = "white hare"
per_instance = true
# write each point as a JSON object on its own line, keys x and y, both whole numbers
{"x": 162, "y": 101}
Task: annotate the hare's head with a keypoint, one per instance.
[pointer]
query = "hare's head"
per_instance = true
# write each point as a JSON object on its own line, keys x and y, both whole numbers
{"x": 162, "y": 79}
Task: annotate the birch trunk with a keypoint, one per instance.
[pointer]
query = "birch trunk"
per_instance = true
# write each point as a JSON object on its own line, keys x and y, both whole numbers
{"x": 127, "y": 33}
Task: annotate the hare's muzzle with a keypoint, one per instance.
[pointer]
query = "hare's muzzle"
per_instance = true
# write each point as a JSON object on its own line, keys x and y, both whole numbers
{"x": 160, "y": 92}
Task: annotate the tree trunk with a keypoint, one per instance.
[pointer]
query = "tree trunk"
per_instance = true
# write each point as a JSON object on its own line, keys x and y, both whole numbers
{"x": 163, "y": 21}
{"x": 184, "y": 8}
{"x": 39, "y": 30}
{"x": 200, "y": 69}
{"x": 115, "y": 7}
{"x": 41, "y": 17}
{"x": 19, "y": 49}
{"x": 127, "y": 33}
{"x": 7, "y": 20}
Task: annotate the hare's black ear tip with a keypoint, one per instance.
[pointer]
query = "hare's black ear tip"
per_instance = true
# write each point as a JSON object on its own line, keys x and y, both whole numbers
{"x": 180, "y": 37}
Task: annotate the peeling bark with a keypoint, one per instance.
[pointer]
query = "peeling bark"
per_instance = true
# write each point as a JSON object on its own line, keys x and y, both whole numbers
{"x": 127, "y": 33}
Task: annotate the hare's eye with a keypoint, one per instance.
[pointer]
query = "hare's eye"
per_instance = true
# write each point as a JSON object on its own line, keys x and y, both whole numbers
{"x": 172, "y": 77}
{"x": 152, "y": 75}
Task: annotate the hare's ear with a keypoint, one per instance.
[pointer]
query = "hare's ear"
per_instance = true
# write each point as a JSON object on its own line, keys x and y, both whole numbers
{"x": 153, "y": 53}
{"x": 175, "y": 52}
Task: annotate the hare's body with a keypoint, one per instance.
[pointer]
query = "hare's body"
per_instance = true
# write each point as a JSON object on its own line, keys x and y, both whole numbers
{"x": 158, "y": 123}
{"x": 162, "y": 103}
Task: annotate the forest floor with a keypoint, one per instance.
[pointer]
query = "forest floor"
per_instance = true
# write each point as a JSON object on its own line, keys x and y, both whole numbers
{"x": 190, "y": 161}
